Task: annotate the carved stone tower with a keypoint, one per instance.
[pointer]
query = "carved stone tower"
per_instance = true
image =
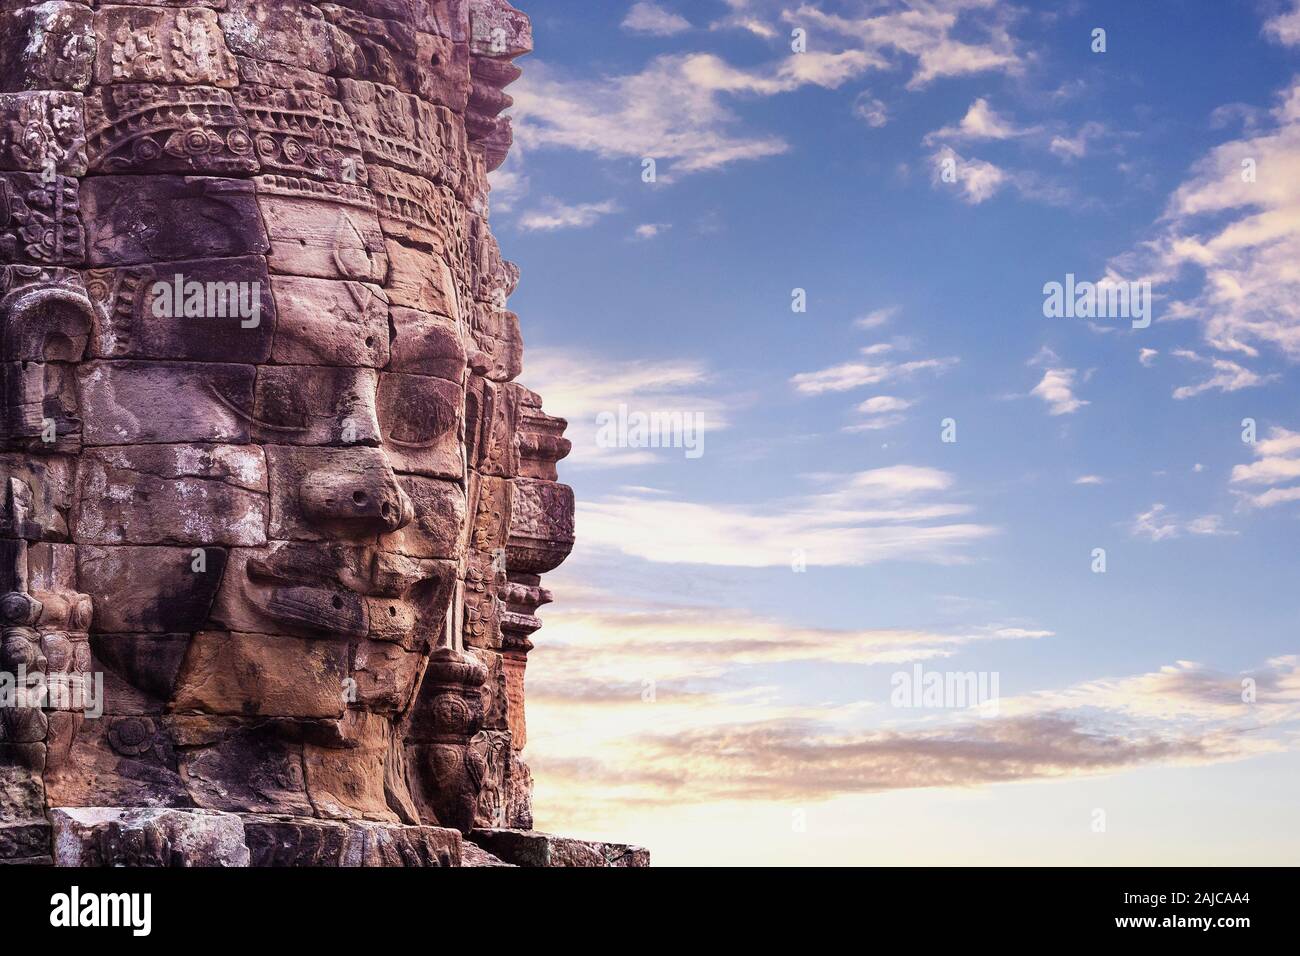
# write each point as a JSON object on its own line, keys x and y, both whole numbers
{"x": 275, "y": 512}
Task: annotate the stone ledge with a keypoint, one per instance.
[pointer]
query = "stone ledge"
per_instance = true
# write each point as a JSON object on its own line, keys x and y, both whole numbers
{"x": 143, "y": 836}
{"x": 170, "y": 837}
{"x": 301, "y": 841}
{"x": 166, "y": 837}
{"x": 531, "y": 849}
{"x": 474, "y": 855}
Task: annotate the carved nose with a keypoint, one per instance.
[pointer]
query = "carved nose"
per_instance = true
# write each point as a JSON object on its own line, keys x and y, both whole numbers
{"x": 365, "y": 500}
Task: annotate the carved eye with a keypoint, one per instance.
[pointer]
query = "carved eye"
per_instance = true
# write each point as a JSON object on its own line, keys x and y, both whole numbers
{"x": 416, "y": 411}
{"x": 282, "y": 406}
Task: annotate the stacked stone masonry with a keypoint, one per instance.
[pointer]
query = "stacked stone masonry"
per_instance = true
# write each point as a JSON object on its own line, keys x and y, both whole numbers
{"x": 266, "y": 469}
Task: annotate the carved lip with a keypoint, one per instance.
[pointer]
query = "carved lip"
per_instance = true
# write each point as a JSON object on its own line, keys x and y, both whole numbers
{"x": 288, "y": 569}
{"x": 320, "y": 597}
{"x": 274, "y": 573}
{"x": 316, "y": 609}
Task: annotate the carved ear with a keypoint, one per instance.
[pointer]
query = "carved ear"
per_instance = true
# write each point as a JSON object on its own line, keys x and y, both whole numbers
{"x": 44, "y": 326}
{"x": 46, "y": 323}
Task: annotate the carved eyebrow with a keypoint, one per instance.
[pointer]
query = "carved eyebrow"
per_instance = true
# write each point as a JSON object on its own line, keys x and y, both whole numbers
{"x": 389, "y": 439}
{"x": 249, "y": 417}
{"x": 290, "y": 429}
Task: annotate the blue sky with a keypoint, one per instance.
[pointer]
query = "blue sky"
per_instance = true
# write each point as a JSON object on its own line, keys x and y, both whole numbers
{"x": 693, "y": 692}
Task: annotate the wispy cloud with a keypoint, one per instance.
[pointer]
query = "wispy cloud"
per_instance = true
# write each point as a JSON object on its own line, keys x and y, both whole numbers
{"x": 1276, "y": 467}
{"x": 1228, "y": 376}
{"x": 1077, "y": 145}
{"x": 745, "y": 15}
{"x": 871, "y": 110}
{"x": 926, "y": 35}
{"x": 801, "y": 759}
{"x": 882, "y": 411}
{"x": 646, "y": 17}
{"x": 1234, "y": 224}
{"x": 509, "y": 183}
{"x": 1157, "y": 523}
{"x": 662, "y": 704}
{"x": 898, "y": 513}
{"x": 555, "y": 215}
{"x": 651, "y": 230}
{"x": 601, "y": 646}
{"x": 882, "y": 404}
{"x": 580, "y": 386}
{"x": 876, "y": 318}
{"x": 981, "y": 122}
{"x": 1057, "y": 390}
{"x": 976, "y": 179}
{"x": 1285, "y": 26}
{"x": 1183, "y": 695}
{"x": 677, "y": 109}
{"x": 851, "y": 375}
{"x": 674, "y": 110}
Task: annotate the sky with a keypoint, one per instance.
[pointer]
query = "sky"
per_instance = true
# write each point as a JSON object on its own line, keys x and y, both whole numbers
{"x": 906, "y": 470}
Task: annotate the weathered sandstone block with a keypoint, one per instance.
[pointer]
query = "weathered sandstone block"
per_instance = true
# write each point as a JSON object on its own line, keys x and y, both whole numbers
{"x": 289, "y": 841}
{"x": 302, "y": 133}
{"x": 47, "y": 46}
{"x": 427, "y": 344}
{"x": 39, "y": 220}
{"x": 161, "y": 45}
{"x": 283, "y": 76}
{"x": 541, "y": 525}
{"x": 422, "y": 281}
{"x": 130, "y": 402}
{"x": 139, "y": 670}
{"x": 218, "y": 310}
{"x": 258, "y": 674}
{"x": 422, "y": 419}
{"x": 347, "y": 782}
{"x": 291, "y": 32}
{"x": 312, "y": 405}
{"x": 120, "y": 836}
{"x": 241, "y": 765}
{"x": 155, "y": 589}
{"x": 149, "y": 127}
{"x": 320, "y": 322}
{"x": 42, "y": 130}
{"x": 401, "y": 130}
{"x": 439, "y": 519}
{"x": 396, "y": 54}
{"x": 385, "y": 674}
{"x": 172, "y": 494}
{"x": 121, "y": 761}
{"x": 322, "y": 233}
{"x": 168, "y": 218}
{"x": 333, "y": 493}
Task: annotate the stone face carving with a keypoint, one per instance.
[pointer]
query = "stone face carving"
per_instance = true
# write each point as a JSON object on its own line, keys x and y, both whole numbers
{"x": 273, "y": 514}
